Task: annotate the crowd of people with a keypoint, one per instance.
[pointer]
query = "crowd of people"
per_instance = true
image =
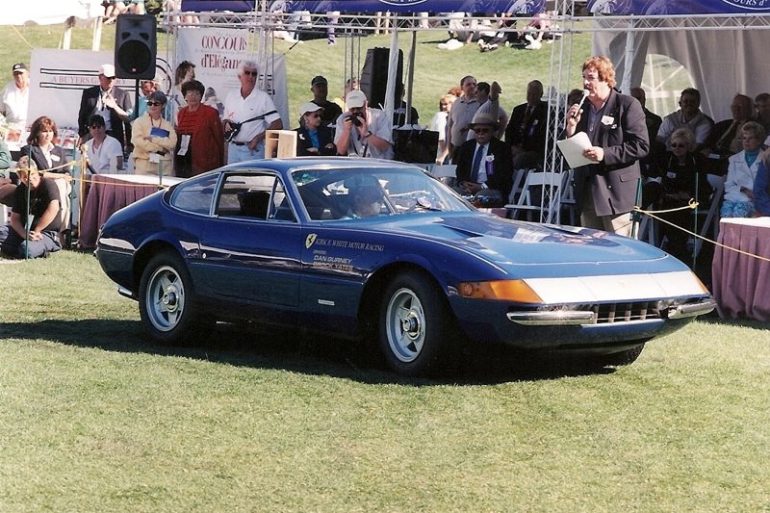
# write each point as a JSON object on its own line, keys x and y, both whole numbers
{"x": 189, "y": 131}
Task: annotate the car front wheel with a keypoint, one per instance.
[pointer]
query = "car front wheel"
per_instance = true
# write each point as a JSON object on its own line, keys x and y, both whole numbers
{"x": 166, "y": 305}
{"x": 417, "y": 331}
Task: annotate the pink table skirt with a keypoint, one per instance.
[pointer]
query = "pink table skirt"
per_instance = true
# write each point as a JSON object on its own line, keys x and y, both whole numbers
{"x": 109, "y": 193}
{"x": 741, "y": 283}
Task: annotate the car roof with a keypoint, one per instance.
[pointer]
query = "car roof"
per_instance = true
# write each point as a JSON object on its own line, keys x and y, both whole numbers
{"x": 337, "y": 163}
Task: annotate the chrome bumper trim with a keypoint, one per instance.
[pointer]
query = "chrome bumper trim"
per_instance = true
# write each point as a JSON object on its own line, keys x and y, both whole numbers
{"x": 553, "y": 318}
{"x": 691, "y": 309}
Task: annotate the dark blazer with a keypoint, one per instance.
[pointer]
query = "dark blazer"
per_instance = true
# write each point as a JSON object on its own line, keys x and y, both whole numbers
{"x": 530, "y": 136}
{"x": 501, "y": 177}
{"x": 325, "y": 136}
{"x": 622, "y": 133}
{"x": 119, "y": 129}
{"x": 38, "y": 157}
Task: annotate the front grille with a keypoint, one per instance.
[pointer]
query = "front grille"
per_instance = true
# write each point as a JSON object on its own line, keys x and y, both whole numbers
{"x": 626, "y": 312}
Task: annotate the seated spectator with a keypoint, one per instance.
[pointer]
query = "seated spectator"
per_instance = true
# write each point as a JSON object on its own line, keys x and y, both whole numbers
{"x": 41, "y": 149}
{"x": 103, "y": 151}
{"x": 762, "y": 190}
{"x": 690, "y": 116}
{"x": 742, "y": 173}
{"x": 154, "y": 139}
{"x": 653, "y": 122}
{"x": 439, "y": 124}
{"x": 488, "y": 97}
{"x": 762, "y": 106}
{"x": 7, "y": 181}
{"x": 35, "y": 222}
{"x": 484, "y": 164}
{"x": 313, "y": 137}
{"x": 362, "y": 131}
{"x": 525, "y": 133}
{"x": 726, "y": 137}
{"x": 682, "y": 173}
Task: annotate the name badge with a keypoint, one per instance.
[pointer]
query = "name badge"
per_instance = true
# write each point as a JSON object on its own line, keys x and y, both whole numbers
{"x": 154, "y": 158}
{"x": 607, "y": 120}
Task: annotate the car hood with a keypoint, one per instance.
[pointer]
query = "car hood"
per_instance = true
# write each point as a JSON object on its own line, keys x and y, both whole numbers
{"x": 506, "y": 242}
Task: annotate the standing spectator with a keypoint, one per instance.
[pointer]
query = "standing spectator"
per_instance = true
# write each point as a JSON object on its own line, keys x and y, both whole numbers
{"x": 41, "y": 148}
{"x": 742, "y": 171}
{"x": 185, "y": 71}
{"x": 462, "y": 113}
{"x": 331, "y": 111}
{"x": 488, "y": 97}
{"x": 146, "y": 88}
{"x": 439, "y": 124}
{"x": 110, "y": 102}
{"x": 606, "y": 190}
{"x": 690, "y": 116}
{"x": 314, "y": 138}
{"x": 200, "y": 146}
{"x": 154, "y": 139}
{"x": 399, "y": 113}
{"x": 14, "y": 101}
{"x": 362, "y": 131}
{"x": 104, "y": 152}
{"x": 525, "y": 133}
{"x": 35, "y": 221}
{"x": 210, "y": 98}
{"x": 249, "y": 113}
{"x": 762, "y": 105}
{"x": 484, "y": 164}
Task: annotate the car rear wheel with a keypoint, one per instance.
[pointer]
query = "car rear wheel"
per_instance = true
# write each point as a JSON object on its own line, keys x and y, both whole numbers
{"x": 417, "y": 330}
{"x": 166, "y": 304}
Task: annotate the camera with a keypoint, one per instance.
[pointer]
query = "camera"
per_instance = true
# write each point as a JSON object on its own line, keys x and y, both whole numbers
{"x": 356, "y": 120}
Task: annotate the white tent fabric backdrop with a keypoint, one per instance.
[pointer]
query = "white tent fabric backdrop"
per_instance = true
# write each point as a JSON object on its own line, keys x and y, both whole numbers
{"x": 721, "y": 62}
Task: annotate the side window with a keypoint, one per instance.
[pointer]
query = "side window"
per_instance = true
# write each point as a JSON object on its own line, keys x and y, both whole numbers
{"x": 254, "y": 196}
{"x": 195, "y": 195}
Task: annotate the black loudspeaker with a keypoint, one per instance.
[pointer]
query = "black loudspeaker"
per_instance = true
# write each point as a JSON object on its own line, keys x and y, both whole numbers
{"x": 135, "y": 46}
{"x": 374, "y": 76}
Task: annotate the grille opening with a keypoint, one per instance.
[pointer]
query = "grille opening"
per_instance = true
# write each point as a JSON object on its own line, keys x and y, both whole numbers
{"x": 626, "y": 312}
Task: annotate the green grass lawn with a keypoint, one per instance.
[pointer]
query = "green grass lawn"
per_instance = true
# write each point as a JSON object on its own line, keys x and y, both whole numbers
{"x": 95, "y": 419}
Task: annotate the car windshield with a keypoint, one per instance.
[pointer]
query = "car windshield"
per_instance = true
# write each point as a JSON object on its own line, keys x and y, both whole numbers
{"x": 358, "y": 193}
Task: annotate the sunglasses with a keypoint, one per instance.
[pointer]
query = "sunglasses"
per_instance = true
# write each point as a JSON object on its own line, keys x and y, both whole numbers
{"x": 152, "y": 104}
{"x": 315, "y": 115}
{"x": 678, "y": 145}
{"x": 248, "y": 72}
{"x": 482, "y": 130}
{"x": 96, "y": 127}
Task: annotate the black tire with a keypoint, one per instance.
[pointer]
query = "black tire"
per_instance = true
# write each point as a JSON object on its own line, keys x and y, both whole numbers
{"x": 417, "y": 332}
{"x": 167, "y": 305}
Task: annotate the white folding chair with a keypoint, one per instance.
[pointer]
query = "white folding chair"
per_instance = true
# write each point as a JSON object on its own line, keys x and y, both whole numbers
{"x": 540, "y": 193}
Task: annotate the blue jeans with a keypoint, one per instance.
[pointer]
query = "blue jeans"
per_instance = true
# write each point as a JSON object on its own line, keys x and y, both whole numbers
{"x": 242, "y": 153}
{"x": 13, "y": 245}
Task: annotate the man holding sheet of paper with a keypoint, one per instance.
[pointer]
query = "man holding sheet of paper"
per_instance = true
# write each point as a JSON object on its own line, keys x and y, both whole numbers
{"x": 607, "y": 176}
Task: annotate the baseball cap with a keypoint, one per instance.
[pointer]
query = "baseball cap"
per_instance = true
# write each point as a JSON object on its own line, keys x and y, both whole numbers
{"x": 318, "y": 80}
{"x": 108, "y": 70}
{"x": 158, "y": 96}
{"x": 355, "y": 99}
{"x": 308, "y": 107}
{"x": 19, "y": 67}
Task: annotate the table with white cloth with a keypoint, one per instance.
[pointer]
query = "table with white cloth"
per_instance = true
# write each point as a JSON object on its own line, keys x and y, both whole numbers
{"x": 740, "y": 282}
{"x": 108, "y": 193}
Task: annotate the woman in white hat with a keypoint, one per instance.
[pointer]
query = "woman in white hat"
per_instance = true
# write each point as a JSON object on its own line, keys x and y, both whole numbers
{"x": 313, "y": 138}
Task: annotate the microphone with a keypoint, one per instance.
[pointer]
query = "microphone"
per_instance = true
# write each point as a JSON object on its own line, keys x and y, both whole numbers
{"x": 586, "y": 92}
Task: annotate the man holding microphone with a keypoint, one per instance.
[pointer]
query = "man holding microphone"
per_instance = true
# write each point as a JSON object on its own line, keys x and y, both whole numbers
{"x": 606, "y": 190}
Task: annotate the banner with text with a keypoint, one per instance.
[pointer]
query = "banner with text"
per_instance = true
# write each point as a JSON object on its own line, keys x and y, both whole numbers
{"x": 663, "y": 7}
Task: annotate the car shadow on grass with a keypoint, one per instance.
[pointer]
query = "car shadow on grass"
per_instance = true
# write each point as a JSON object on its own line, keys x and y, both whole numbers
{"x": 291, "y": 350}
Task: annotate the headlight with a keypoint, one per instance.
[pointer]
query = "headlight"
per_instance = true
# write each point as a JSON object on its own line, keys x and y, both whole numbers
{"x": 504, "y": 290}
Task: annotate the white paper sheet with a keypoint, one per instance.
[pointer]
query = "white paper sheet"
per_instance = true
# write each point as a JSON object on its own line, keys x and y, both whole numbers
{"x": 572, "y": 148}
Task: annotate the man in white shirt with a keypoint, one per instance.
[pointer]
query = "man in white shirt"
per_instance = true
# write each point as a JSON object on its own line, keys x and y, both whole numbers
{"x": 689, "y": 116}
{"x": 254, "y": 111}
{"x": 15, "y": 98}
{"x": 362, "y": 131}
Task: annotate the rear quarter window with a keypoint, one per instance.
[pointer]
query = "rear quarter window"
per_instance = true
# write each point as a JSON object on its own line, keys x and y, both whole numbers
{"x": 195, "y": 195}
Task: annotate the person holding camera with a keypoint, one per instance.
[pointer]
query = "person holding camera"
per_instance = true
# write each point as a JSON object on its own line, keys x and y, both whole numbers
{"x": 362, "y": 131}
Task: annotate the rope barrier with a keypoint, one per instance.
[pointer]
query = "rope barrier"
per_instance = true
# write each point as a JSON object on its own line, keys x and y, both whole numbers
{"x": 692, "y": 204}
